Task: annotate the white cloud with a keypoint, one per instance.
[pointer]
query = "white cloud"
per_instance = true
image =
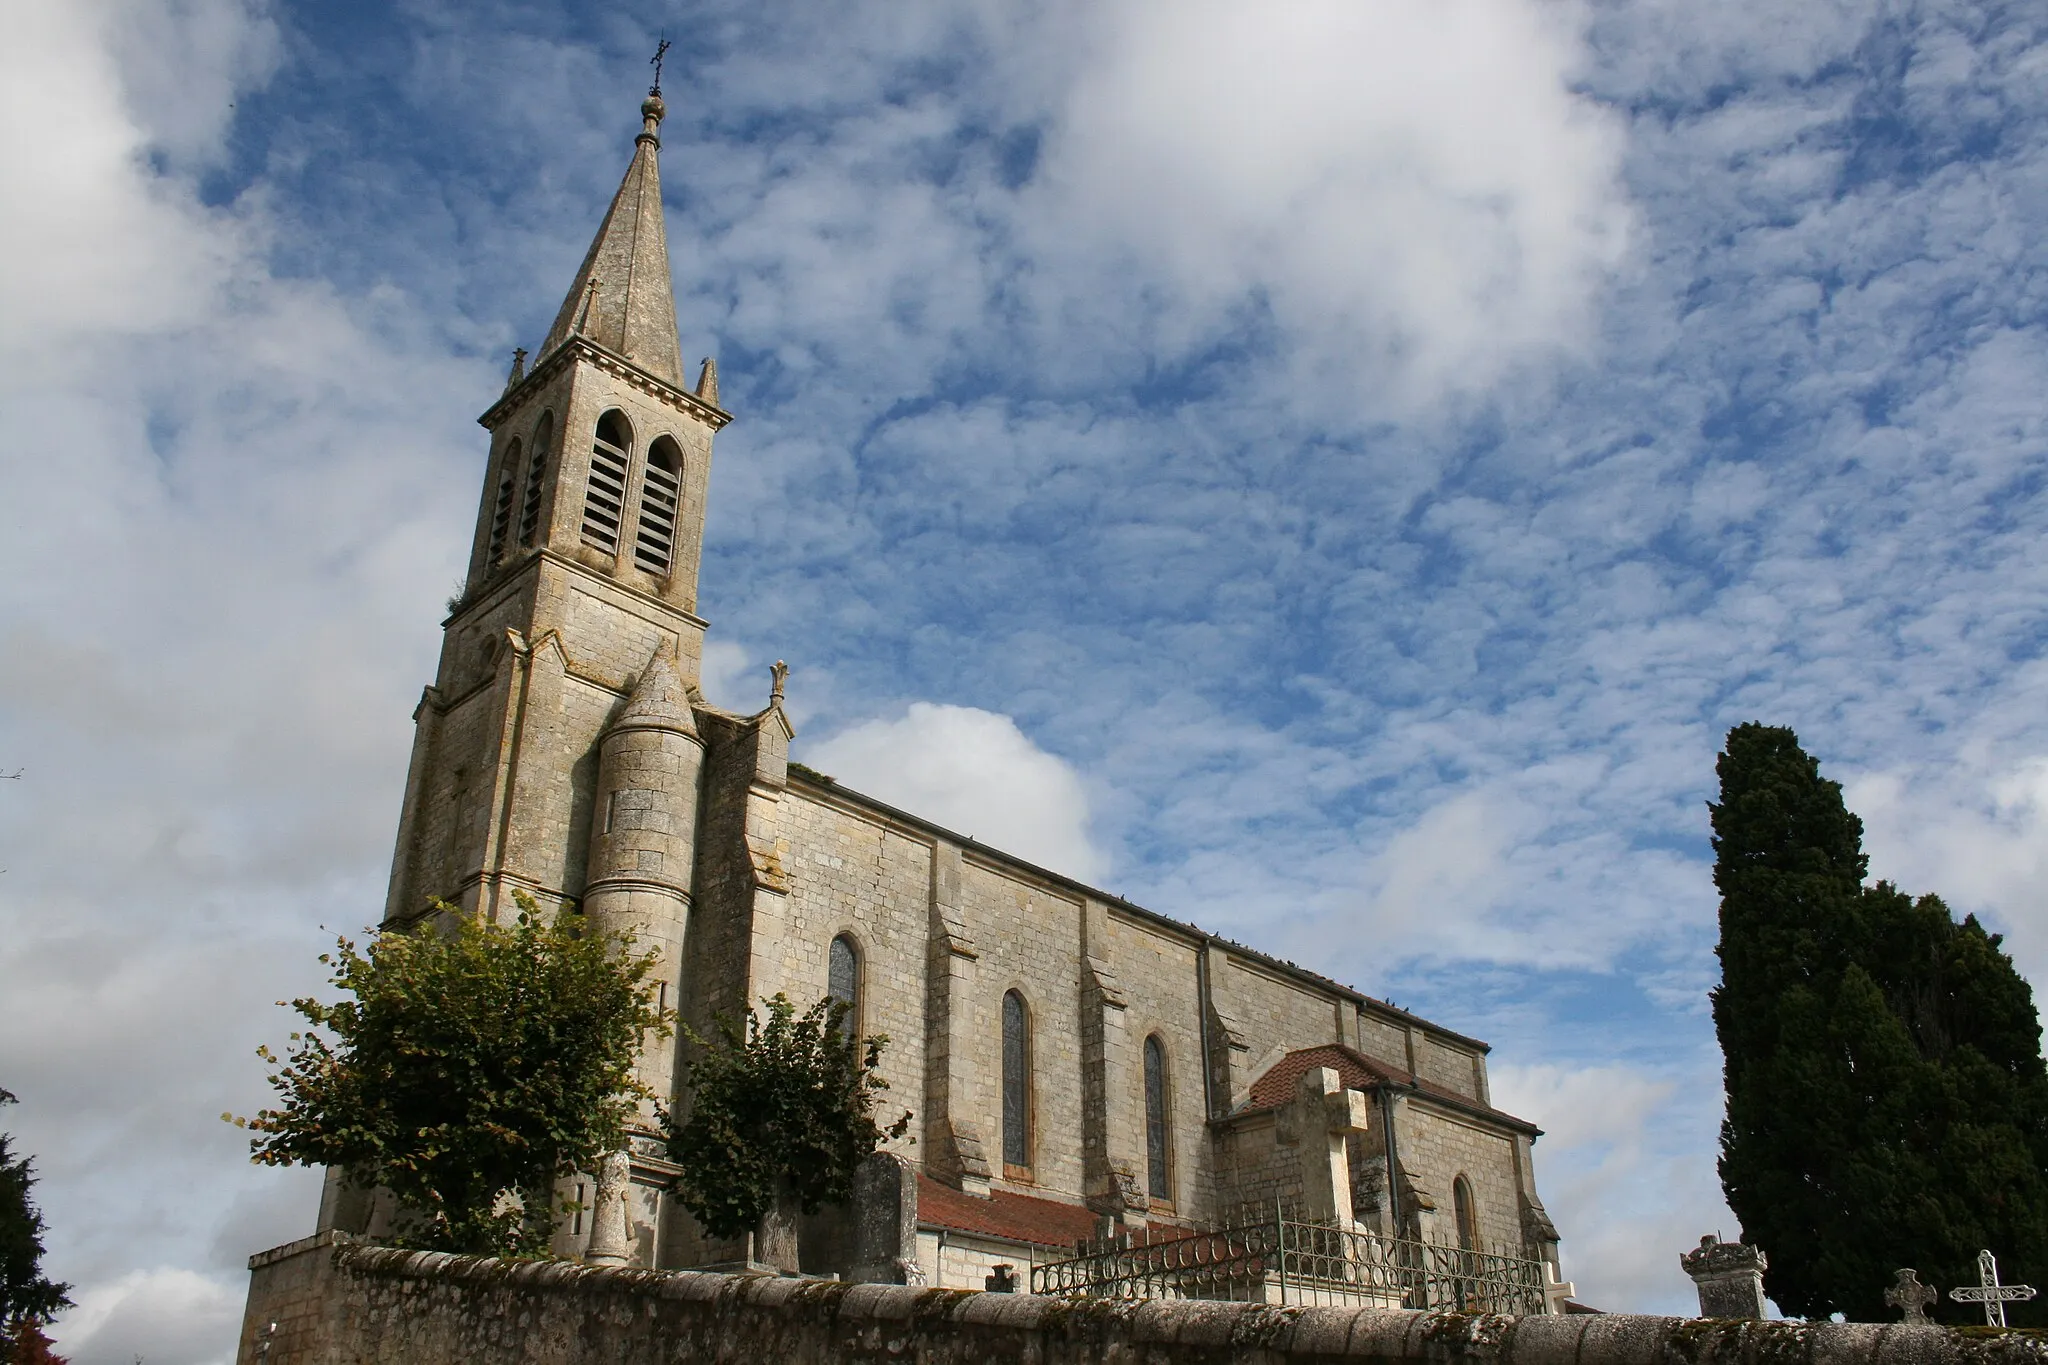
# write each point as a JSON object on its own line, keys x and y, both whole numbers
{"x": 975, "y": 773}
{"x": 161, "y": 1316}
{"x": 1974, "y": 832}
{"x": 1620, "y": 1174}
{"x": 222, "y": 545}
{"x": 1416, "y": 193}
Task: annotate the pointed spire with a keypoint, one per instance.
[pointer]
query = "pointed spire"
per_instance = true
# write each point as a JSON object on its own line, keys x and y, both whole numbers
{"x": 518, "y": 368}
{"x": 659, "y": 699}
{"x": 707, "y": 382}
{"x": 622, "y": 297}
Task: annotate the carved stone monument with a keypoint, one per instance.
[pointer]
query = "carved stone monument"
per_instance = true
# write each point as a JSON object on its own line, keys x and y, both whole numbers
{"x": 884, "y": 1209}
{"x": 1729, "y": 1277}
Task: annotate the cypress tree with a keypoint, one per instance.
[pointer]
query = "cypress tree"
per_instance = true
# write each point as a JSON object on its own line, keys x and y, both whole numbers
{"x": 1887, "y": 1100}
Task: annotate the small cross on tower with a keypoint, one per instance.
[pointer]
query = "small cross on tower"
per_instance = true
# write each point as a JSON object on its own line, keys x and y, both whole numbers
{"x": 1912, "y": 1297}
{"x": 1989, "y": 1292}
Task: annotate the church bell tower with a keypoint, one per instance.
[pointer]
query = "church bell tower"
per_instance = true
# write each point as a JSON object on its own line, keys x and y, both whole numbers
{"x": 582, "y": 587}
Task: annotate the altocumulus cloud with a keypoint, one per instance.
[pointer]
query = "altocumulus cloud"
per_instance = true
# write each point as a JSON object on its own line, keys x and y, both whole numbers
{"x": 1333, "y": 476}
{"x": 974, "y": 772}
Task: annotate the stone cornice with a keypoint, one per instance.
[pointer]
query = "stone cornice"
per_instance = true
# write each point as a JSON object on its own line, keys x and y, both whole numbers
{"x": 612, "y": 363}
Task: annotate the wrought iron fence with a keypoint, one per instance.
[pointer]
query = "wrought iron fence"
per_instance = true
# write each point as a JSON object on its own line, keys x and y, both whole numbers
{"x": 1286, "y": 1260}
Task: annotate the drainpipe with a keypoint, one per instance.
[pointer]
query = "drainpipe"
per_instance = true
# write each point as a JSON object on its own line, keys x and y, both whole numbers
{"x": 1393, "y": 1160}
{"x": 1202, "y": 1025}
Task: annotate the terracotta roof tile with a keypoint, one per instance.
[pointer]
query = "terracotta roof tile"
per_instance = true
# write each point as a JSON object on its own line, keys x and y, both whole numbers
{"x": 1357, "y": 1072}
{"x": 1011, "y": 1217}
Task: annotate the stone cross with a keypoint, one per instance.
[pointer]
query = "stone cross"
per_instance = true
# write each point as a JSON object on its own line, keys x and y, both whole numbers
{"x": 1911, "y": 1297}
{"x": 1989, "y": 1292}
{"x": 1555, "y": 1291}
{"x": 1317, "y": 1122}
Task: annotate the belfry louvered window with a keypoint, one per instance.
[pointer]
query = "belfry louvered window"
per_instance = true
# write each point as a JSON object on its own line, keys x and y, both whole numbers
{"x": 654, "y": 543}
{"x": 604, "y": 496}
{"x": 501, "y": 506}
{"x": 1016, "y": 1087}
{"x": 1157, "y": 1146}
{"x": 536, "y": 476}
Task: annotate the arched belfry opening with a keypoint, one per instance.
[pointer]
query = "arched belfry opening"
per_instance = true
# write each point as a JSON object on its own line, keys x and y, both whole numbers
{"x": 536, "y": 478}
{"x": 654, "y": 542}
{"x": 604, "y": 493}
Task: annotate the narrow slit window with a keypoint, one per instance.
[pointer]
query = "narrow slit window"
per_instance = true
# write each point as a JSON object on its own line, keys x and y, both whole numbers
{"x": 604, "y": 496}
{"x": 1157, "y": 1146}
{"x": 536, "y": 476}
{"x": 654, "y": 544}
{"x": 1016, "y": 1086}
{"x": 501, "y": 508}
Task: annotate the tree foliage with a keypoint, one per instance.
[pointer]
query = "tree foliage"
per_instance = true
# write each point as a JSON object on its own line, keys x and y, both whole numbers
{"x": 1887, "y": 1099}
{"x": 27, "y": 1296}
{"x": 781, "y": 1107}
{"x": 471, "y": 1067}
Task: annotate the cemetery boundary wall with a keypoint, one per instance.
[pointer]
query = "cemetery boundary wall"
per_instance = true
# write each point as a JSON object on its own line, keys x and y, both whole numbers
{"x": 337, "y": 1303}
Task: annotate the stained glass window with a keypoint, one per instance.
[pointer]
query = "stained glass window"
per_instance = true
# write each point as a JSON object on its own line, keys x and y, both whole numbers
{"x": 1156, "y": 1144}
{"x": 1468, "y": 1217}
{"x": 1016, "y": 1082}
{"x": 842, "y": 979}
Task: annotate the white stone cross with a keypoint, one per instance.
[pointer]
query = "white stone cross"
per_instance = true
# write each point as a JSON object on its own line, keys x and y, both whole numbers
{"x": 1555, "y": 1291}
{"x": 1989, "y": 1292}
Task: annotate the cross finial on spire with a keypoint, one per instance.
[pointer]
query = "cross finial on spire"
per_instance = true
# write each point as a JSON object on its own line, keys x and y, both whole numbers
{"x": 652, "y": 110}
{"x": 655, "y": 62}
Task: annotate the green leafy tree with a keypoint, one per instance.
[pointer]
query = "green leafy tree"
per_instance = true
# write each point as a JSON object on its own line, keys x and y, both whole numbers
{"x": 1887, "y": 1100}
{"x": 471, "y": 1067}
{"x": 781, "y": 1110}
{"x": 27, "y": 1296}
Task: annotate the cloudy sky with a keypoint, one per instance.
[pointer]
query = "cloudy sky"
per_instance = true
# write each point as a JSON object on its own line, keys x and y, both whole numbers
{"x": 1329, "y": 471}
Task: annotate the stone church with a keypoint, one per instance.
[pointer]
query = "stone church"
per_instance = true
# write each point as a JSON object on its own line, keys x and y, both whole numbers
{"x": 1074, "y": 1063}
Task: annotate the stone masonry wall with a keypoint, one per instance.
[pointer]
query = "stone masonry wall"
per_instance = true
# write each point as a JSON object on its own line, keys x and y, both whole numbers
{"x": 1438, "y": 1147}
{"x": 1450, "y": 1067}
{"x": 1382, "y": 1038}
{"x": 858, "y": 877}
{"x": 352, "y": 1305}
{"x": 1030, "y": 941}
{"x": 1160, "y": 982}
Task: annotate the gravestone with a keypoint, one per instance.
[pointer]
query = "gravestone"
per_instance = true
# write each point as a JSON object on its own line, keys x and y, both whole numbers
{"x": 884, "y": 1212}
{"x": 1911, "y": 1297}
{"x": 1729, "y": 1277}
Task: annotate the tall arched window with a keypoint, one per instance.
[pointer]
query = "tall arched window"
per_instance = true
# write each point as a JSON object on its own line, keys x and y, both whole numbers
{"x": 842, "y": 980}
{"x": 501, "y": 507}
{"x": 1016, "y": 1086}
{"x": 604, "y": 497}
{"x": 1158, "y": 1144}
{"x": 1466, "y": 1212}
{"x": 654, "y": 545}
{"x": 536, "y": 479}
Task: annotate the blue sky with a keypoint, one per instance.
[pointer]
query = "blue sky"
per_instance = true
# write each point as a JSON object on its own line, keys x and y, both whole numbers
{"x": 1330, "y": 472}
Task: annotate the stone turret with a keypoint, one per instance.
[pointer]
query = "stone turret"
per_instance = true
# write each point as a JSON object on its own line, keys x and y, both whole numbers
{"x": 642, "y": 853}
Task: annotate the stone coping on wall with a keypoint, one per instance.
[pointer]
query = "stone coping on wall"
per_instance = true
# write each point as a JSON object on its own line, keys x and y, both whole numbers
{"x": 361, "y": 1304}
